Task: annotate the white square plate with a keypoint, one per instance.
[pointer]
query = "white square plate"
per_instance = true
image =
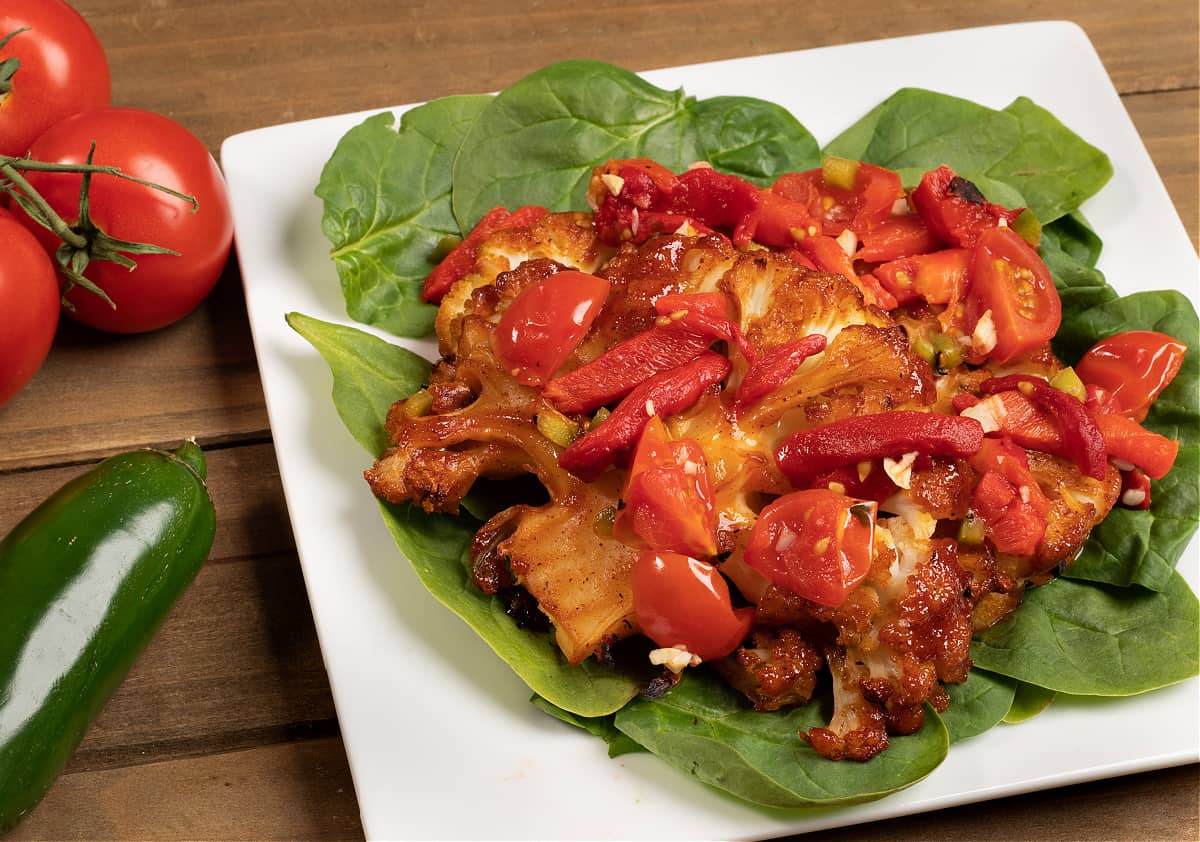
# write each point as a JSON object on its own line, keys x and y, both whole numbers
{"x": 441, "y": 737}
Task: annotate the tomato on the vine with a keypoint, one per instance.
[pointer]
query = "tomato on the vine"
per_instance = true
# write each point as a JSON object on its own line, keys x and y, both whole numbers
{"x": 164, "y": 287}
{"x": 28, "y": 306}
{"x": 682, "y": 601}
{"x": 51, "y": 70}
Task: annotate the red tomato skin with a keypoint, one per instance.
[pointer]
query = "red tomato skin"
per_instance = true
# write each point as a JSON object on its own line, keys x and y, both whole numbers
{"x": 1026, "y": 317}
{"x": 63, "y": 70}
{"x": 681, "y": 601}
{"x": 1133, "y": 367}
{"x": 163, "y": 288}
{"x": 28, "y": 306}
{"x": 546, "y": 322}
{"x": 814, "y": 544}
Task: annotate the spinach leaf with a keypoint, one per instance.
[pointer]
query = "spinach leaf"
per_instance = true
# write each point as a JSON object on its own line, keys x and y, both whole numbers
{"x": 597, "y": 726}
{"x": 369, "y": 375}
{"x": 386, "y": 196}
{"x": 1023, "y": 146}
{"x": 1073, "y": 235}
{"x": 539, "y": 140}
{"x": 1079, "y": 285}
{"x": 1092, "y": 639}
{"x": 1143, "y": 547}
{"x": 1028, "y": 702}
{"x": 706, "y": 729}
{"x": 977, "y": 704}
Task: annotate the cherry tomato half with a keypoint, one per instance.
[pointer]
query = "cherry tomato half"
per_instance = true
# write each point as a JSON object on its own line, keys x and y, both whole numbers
{"x": 546, "y": 322}
{"x": 28, "y": 306}
{"x": 669, "y": 496}
{"x": 164, "y": 287}
{"x": 1008, "y": 278}
{"x": 816, "y": 543}
{"x": 62, "y": 70}
{"x": 681, "y": 601}
{"x": 1134, "y": 367}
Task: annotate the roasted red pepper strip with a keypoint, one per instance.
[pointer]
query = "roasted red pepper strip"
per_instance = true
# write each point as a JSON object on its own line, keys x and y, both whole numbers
{"x": 706, "y": 314}
{"x": 772, "y": 369}
{"x": 1128, "y": 440}
{"x": 661, "y": 348}
{"x": 954, "y": 209}
{"x": 461, "y": 260}
{"x": 1082, "y": 441}
{"x": 808, "y": 453}
{"x": 664, "y": 394}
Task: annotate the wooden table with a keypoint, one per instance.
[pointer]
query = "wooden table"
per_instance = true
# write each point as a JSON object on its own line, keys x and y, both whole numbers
{"x": 226, "y": 729}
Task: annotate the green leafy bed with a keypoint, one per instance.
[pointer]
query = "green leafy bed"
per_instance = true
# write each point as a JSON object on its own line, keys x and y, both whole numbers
{"x": 1121, "y": 622}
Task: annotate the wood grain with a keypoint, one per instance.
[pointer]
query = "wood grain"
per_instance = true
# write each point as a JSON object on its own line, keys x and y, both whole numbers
{"x": 225, "y": 728}
{"x": 298, "y": 790}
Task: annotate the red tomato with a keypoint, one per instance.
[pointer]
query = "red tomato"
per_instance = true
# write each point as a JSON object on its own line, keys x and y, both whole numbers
{"x": 861, "y": 210}
{"x": 895, "y": 237}
{"x": 61, "y": 71}
{"x": 1008, "y": 278}
{"x": 669, "y": 496}
{"x": 164, "y": 287}
{"x": 546, "y": 322}
{"x": 28, "y": 306}
{"x": 954, "y": 209}
{"x": 680, "y": 601}
{"x": 939, "y": 278}
{"x": 816, "y": 543}
{"x": 1008, "y": 498}
{"x": 1133, "y": 367}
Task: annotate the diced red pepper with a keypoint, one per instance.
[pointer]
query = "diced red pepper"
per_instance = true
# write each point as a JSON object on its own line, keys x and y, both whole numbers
{"x": 1135, "y": 490}
{"x": 829, "y": 256}
{"x": 666, "y": 393}
{"x": 461, "y": 260}
{"x": 954, "y": 209}
{"x": 1007, "y": 498}
{"x": 809, "y": 453}
{"x": 1082, "y": 441}
{"x": 773, "y": 368}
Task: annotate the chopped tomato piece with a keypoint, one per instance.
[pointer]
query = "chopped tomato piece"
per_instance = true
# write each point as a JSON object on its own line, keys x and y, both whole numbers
{"x": 684, "y": 602}
{"x": 668, "y": 497}
{"x": 1134, "y": 367}
{"x": 1008, "y": 279}
{"x": 939, "y": 277}
{"x": 954, "y": 209}
{"x": 828, "y": 256}
{"x": 546, "y": 322}
{"x": 896, "y": 237}
{"x": 861, "y": 209}
{"x": 461, "y": 260}
{"x": 1007, "y": 498}
{"x": 816, "y": 544}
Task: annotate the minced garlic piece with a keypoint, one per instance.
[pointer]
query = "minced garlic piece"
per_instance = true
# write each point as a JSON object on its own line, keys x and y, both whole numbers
{"x": 900, "y": 470}
{"x": 674, "y": 658}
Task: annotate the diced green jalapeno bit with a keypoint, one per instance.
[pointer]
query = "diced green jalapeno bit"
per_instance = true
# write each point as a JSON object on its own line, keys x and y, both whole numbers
{"x": 971, "y": 531}
{"x": 598, "y": 418}
{"x": 418, "y": 404}
{"x": 839, "y": 173}
{"x": 557, "y": 427}
{"x": 603, "y": 524}
{"x": 923, "y": 348}
{"x": 1029, "y": 227}
{"x": 946, "y": 353}
{"x": 1068, "y": 381}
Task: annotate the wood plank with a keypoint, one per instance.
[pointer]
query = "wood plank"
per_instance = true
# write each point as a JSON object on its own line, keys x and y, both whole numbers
{"x": 1159, "y": 805}
{"x": 99, "y": 394}
{"x": 237, "y": 66}
{"x": 298, "y": 790}
{"x": 252, "y": 517}
{"x": 1169, "y": 123}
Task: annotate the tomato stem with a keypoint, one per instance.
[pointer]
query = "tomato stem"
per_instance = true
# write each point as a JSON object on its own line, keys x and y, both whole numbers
{"x": 30, "y": 165}
{"x": 9, "y": 67}
{"x": 30, "y": 201}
